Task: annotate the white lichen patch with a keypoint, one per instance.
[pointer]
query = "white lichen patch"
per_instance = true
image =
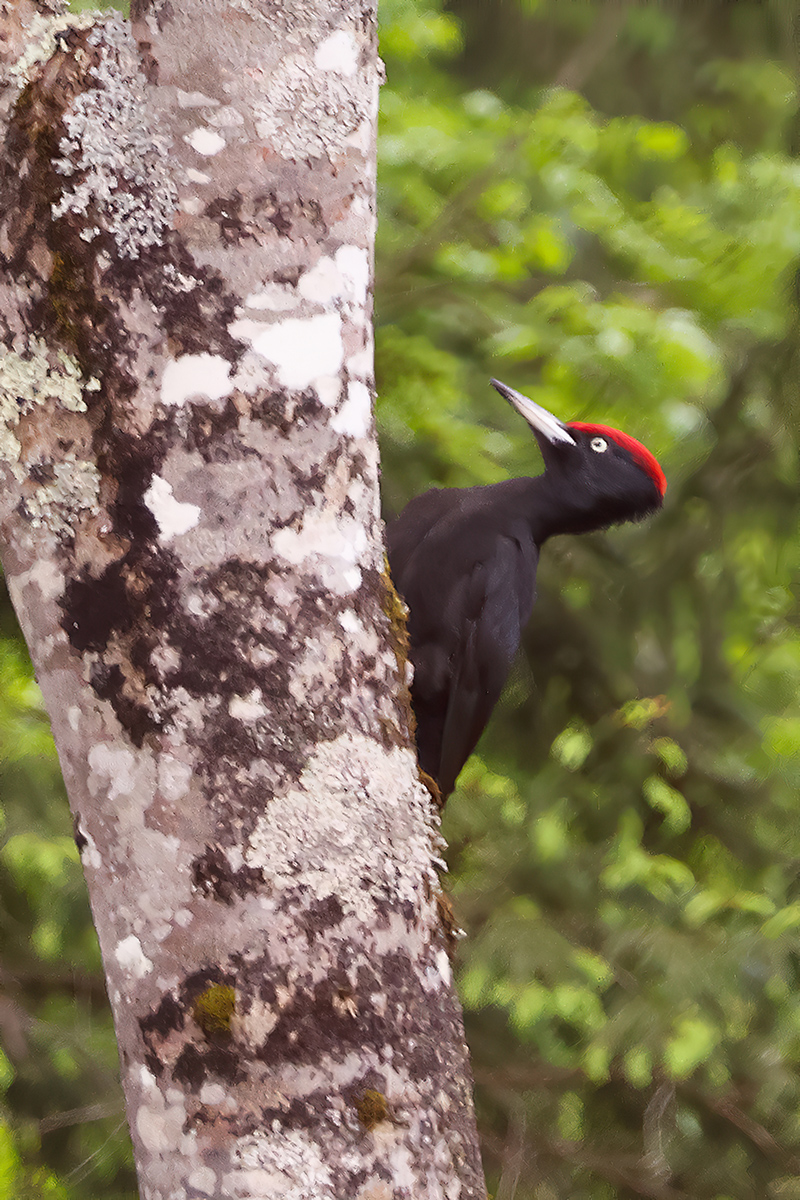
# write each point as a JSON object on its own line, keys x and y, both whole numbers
{"x": 343, "y": 277}
{"x": 328, "y": 389}
{"x": 354, "y": 417}
{"x": 132, "y": 958}
{"x": 437, "y": 974}
{"x": 118, "y": 162}
{"x": 43, "y": 32}
{"x": 49, "y": 580}
{"x": 332, "y": 545}
{"x": 361, "y": 365}
{"x": 178, "y": 280}
{"x": 172, "y": 517}
{"x": 285, "y": 1163}
{"x": 191, "y": 205}
{"x": 90, "y": 855}
{"x": 300, "y": 351}
{"x": 258, "y": 1022}
{"x": 191, "y": 375}
{"x": 322, "y": 283}
{"x": 195, "y": 100}
{"x": 314, "y": 675}
{"x": 161, "y": 1119}
{"x": 351, "y": 623}
{"x": 174, "y": 777}
{"x": 213, "y": 1093}
{"x": 226, "y": 117}
{"x": 357, "y": 826}
{"x": 205, "y": 141}
{"x": 204, "y": 1181}
{"x": 166, "y": 658}
{"x": 352, "y": 262}
{"x": 201, "y": 604}
{"x": 112, "y": 768}
{"x": 307, "y": 112}
{"x": 274, "y": 297}
{"x": 338, "y": 52}
{"x": 247, "y": 708}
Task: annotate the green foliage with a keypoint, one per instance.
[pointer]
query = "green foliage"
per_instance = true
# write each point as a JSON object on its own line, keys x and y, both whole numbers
{"x": 625, "y": 846}
{"x": 19, "y": 1183}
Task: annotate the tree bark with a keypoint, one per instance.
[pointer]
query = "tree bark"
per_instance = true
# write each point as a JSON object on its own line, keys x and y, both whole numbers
{"x": 191, "y": 537}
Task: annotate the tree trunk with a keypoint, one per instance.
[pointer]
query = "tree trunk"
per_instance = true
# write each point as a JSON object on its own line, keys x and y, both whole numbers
{"x": 191, "y": 537}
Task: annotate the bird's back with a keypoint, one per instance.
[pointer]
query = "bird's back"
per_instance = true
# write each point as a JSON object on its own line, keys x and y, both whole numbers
{"x": 464, "y": 561}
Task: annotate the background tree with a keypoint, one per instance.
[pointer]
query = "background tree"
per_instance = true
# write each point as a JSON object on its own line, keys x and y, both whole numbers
{"x": 624, "y": 848}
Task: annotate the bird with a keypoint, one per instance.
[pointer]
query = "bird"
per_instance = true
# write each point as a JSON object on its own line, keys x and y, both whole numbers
{"x": 464, "y": 561}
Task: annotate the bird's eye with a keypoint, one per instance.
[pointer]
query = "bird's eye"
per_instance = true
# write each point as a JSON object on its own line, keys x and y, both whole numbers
{"x": 600, "y": 445}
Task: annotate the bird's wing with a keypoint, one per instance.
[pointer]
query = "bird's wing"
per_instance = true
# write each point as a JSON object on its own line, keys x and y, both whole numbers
{"x": 421, "y": 517}
{"x": 495, "y": 604}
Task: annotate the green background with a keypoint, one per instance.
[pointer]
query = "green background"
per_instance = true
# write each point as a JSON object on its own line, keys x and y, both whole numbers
{"x": 600, "y": 204}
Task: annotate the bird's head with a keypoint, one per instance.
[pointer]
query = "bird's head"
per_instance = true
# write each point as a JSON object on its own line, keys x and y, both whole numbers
{"x": 600, "y": 475}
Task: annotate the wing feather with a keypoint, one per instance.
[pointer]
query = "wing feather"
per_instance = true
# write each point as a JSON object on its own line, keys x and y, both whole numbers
{"x": 499, "y": 597}
{"x": 469, "y": 587}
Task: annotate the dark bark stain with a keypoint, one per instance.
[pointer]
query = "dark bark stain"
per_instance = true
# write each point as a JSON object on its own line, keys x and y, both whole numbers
{"x": 195, "y": 319}
{"x": 198, "y": 982}
{"x": 226, "y": 212}
{"x": 77, "y": 302}
{"x": 169, "y": 1017}
{"x": 213, "y": 875}
{"x": 320, "y": 916}
{"x": 195, "y": 1064}
{"x": 110, "y": 683}
{"x": 131, "y": 462}
{"x": 216, "y": 653}
{"x": 212, "y": 434}
{"x": 292, "y": 216}
{"x": 78, "y": 834}
{"x": 29, "y": 184}
{"x": 209, "y": 1050}
{"x": 317, "y": 1024}
{"x": 95, "y": 608}
{"x": 332, "y": 1019}
{"x": 271, "y": 411}
{"x": 190, "y": 1067}
{"x": 134, "y": 606}
{"x": 148, "y": 61}
{"x": 72, "y": 299}
{"x": 156, "y": 1026}
{"x": 299, "y": 1114}
{"x": 120, "y": 615}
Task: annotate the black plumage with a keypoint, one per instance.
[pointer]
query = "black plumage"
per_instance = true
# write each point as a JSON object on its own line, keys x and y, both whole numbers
{"x": 464, "y": 560}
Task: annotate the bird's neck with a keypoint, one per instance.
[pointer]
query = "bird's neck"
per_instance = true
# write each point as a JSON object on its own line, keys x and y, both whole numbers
{"x": 553, "y": 508}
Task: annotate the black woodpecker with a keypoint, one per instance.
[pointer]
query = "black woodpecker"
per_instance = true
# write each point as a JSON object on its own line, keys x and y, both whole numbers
{"x": 464, "y": 560}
